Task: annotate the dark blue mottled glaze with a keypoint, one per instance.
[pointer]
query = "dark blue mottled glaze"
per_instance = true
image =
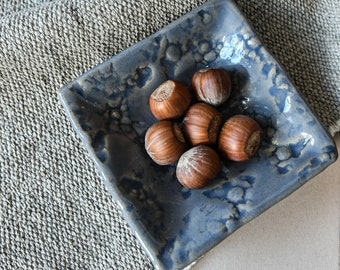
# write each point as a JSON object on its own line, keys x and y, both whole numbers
{"x": 108, "y": 107}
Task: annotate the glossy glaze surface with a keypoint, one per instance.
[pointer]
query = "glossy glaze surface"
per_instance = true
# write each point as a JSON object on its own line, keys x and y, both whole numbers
{"x": 108, "y": 107}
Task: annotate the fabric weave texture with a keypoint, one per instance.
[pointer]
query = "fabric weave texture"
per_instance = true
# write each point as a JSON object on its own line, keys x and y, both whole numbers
{"x": 55, "y": 212}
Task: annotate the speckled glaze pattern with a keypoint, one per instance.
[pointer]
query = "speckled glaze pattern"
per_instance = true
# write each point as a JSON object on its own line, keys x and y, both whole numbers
{"x": 108, "y": 107}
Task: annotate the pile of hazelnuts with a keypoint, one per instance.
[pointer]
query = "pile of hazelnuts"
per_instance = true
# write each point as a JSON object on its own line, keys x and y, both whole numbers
{"x": 192, "y": 134}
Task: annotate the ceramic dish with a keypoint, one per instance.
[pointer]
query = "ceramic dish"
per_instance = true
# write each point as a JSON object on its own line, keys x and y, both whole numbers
{"x": 108, "y": 107}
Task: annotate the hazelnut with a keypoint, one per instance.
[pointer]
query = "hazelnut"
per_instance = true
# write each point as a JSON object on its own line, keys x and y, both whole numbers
{"x": 164, "y": 142}
{"x": 170, "y": 100}
{"x": 240, "y": 138}
{"x": 198, "y": 166}
{"x": 201, "y": 124}
{"x": 212, "y": 85}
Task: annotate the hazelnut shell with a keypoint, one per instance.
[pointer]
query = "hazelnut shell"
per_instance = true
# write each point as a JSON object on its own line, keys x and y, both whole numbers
{"x": 198, "y": 166}
{"x": 240, "y": 138}
{"x": 212, "y": 85}
{"x": 164, "y": 142}
{"x": 170, "y": 100}
{"x": 201, "y": 124}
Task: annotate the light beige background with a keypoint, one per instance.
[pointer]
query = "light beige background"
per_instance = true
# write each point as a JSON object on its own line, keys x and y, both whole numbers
{"x": 299, "y": 233}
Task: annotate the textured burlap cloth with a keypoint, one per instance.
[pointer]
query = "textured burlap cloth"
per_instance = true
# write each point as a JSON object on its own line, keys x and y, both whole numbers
{"x": 55, "y": 212}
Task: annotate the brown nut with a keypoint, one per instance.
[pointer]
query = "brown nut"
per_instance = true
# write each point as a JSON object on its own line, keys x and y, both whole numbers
{"x": 164, "y": 142}
{"x": 240, "y": 138}
{"x": 201, "y": 124}
{"x": 198, "y": 166}
{"x": 170, "y": 100}
{"x": 212, "y": 85}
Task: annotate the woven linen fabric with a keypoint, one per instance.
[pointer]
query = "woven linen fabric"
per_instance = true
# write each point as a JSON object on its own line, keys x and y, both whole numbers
{"x": 55, "y": 212}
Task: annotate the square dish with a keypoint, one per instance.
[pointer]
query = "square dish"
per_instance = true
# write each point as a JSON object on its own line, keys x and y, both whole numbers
{"x": 108, "y": 107}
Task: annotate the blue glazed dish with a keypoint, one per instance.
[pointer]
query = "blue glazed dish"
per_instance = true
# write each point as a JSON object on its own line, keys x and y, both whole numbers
{"x": 108, "y": 107}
